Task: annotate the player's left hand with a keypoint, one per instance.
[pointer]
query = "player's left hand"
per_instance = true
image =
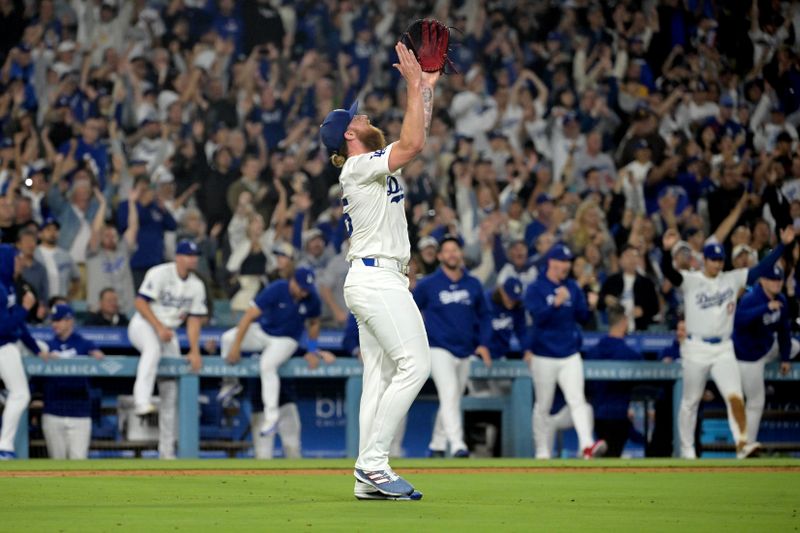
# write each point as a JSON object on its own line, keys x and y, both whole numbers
{"x": 483, "y": 353}
{"x": 313, "y": 360}
{"x": 327, "y": 357}
{"x": 786, "y": 367}
{"x": 195, "y": 361}
{"x": 787, "y": 235}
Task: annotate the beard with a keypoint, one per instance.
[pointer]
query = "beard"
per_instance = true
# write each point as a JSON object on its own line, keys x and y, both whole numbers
{"x": 372, "y": 138}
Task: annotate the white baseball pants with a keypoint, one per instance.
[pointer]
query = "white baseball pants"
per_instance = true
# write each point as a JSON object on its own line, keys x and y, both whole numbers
{"x": 395, "y": 353}
{"x": 67, "y": 437}
{"x": 450, "y": 374}
{"x": 567, "y": 373}
{"x": 13, "y": 375}
{"x": 144, "y": 338}
{"x": 288, "y": 428}
{"x": 752, "y": 373}
{"x": 699, "y": 359}
{"x": 274, "y": 352}
{"x": 561, "y": 421}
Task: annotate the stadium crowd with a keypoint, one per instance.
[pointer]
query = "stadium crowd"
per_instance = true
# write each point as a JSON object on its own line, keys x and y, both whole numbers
{"x": 128, "y": 126}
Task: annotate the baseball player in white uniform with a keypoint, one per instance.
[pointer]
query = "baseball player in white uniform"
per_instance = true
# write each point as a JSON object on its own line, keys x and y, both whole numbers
{"x": 710, "y": 305}
{"x": 170, "y": 294}
{"x": 394, "y": 345}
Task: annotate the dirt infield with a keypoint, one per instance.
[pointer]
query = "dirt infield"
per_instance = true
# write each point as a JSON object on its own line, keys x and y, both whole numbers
{"x": 342, "y": 472}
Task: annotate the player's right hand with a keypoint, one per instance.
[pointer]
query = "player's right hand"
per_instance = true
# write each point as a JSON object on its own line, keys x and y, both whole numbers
{"x": 562, "y": 294}
{"x": 408, "y": 65}
{"x": 164, "y": 333}
{"x": 786, "y": 367}
{"x": 774, "y": 305}
{"x": 787, "y": 235}
{"x": 234, "y": 356}
{"x": 28, "y": 300}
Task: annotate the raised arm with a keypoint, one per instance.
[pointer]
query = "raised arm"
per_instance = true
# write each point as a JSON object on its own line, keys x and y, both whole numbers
{"x": 787, "y": 238}
{"x": 419, "y": 108}
{"x": 670, "y": 240}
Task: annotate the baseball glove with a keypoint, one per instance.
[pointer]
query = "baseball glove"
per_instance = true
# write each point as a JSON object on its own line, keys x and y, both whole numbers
{"x": 429, "y": 40}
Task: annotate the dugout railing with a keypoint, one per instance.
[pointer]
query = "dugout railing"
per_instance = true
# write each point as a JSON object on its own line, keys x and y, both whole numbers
{"x": 516, "y": 408}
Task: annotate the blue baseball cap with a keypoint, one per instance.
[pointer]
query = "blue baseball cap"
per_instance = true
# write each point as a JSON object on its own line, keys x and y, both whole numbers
{"x": 714, "y": 251}
{"x": 187, "y": 247}
{"x": 726, "y": 101}
{"x": 560, "y": 252}
{"x": 48, "y": 221}
{"x": 305, "y": 278}
{"x": 774, "y": 273}
{"x": 544, "y": 197}
{"x": 335, "y": 124}
{"x": 513, "y": 288}
{"x": 61, "y": 312}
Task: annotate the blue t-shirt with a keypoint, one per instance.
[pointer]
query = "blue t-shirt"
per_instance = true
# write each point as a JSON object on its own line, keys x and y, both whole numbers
{"x": 153, "y": 222}
{"x": 68, "y": 396}
{"x": 456, "y": 314}
{"x": 281, "y": 315}
{"x": 755, "y": 326}
{"x": 610, "y": 399}
{"x": 505, "y": 322}
{"x": 555, "y": 331}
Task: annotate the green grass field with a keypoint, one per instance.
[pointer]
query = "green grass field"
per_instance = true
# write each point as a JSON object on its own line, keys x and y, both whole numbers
{"x": 605, "y": 495}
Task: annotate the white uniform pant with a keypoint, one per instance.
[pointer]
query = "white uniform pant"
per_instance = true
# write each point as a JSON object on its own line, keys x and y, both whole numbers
{"x": 67, "y": 437}
{"x": 752, "y": 373}
{"x": 700, "y": 359}
{"x": 13, "y": 375}
{"x": 395, "y": 353}
{"x": 567, "y": 373}
{"x": 144, "y": 338}
{"x": 288, "y": 429}
{"x": 561, "y": 421}
{"x": 450, "y": 374}
{"x": 274, "y": 352}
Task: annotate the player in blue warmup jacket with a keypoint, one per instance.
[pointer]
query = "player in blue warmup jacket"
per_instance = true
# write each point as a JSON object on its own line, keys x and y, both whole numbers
{"x": 12, "y": 329}
{"x": 761, "y": 332}
{"x": 610, "y": 399}
{"x": 458, "y": 323}
{"x": 557, "y": 306}
{"x": 67, "y": 413}
{"x": 508, "y": 316}
{"x": 273, "y": 325}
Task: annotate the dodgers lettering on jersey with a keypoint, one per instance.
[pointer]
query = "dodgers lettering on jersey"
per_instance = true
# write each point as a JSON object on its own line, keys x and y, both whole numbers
{"x": 456, "y": 314}
{"x": 281, "y": 315}
{"x": 757, "y": 326}
{"x": 171, "y": 298}
{"x": 710, "y": 303}
{"x": 68, "y": 396}
{"x": 374, "y": 208}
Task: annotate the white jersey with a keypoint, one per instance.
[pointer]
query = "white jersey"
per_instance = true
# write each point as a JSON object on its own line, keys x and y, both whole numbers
{"x": 710, "y": 303}
{"x": 374, "y": 208}
{"x": 171, "y": 298}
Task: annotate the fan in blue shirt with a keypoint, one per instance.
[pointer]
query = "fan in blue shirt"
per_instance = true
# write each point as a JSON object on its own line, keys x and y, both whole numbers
{"x": 557, "y": 305}
{"x": 458, "y": 323}
{"x": 67, "y": 418}
{"x": 281, "y": 311}
{"x": 761, "y": 331}
{"x": 610, "y": 399}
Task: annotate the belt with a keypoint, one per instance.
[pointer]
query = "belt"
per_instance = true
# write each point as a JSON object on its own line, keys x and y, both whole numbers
{"x": 381, "y": 262}
{"x": 710, "y": 340}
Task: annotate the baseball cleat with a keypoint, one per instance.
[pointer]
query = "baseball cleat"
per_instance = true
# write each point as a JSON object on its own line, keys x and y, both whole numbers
{"x": 435, "y": 453}
{"x": 364, "y": 491}
{"x": 748, "y": 450}
{"x": 385, "y": 481}
{"x": 461, "y": 454}
{"x": 598, "y": 449}
{"x": 145, "y": 410}
{"x": 227, "y": 392}
{"x": 268, "y": 429}
{"x": 7, "y": 455}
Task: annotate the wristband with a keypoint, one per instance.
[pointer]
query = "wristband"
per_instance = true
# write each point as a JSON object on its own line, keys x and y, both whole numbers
{"x": 312, "y": 345}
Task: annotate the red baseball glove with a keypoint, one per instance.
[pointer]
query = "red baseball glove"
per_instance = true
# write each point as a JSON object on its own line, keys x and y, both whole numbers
{"x": 429, "y": 40}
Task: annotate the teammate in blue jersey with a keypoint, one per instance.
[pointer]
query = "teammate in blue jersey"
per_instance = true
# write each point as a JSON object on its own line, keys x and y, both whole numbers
{"x": 67, "y": 416}
{"x": 13, "y": 329}
{"x": 761, "y": 331}
{"x": 458, "y": 323}
{"x": 508, "y": 316}
{"x": 610, "y": 399}
{"x": 557, "y": 306}
{"x": 273, "y": 325}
